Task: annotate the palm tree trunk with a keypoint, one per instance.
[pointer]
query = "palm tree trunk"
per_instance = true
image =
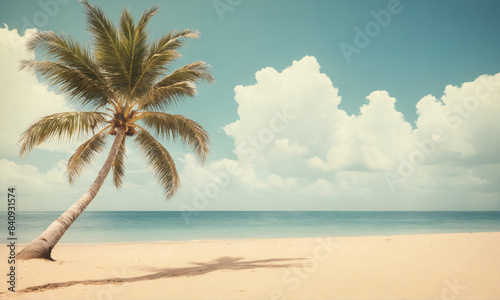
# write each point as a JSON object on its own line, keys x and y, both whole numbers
{"x": 42, "y": 246}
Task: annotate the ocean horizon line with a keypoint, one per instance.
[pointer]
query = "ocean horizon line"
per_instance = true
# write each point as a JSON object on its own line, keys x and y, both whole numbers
{"x": 139, "y": 226}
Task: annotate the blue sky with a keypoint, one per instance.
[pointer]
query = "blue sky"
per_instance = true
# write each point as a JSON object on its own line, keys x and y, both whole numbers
{"x": 425, "y": 47}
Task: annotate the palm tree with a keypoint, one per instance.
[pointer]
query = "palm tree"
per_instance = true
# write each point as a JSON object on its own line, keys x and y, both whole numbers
{"x": 126, "y": 85}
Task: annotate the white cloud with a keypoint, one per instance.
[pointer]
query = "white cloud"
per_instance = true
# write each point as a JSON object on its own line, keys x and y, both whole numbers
{"x": 22, "y": 97}
{"x": 321, "y": 187}
{"x": 38, "y": 190}
{"x": 281, "y": 103}
{"x": 369, "y": 141}
{"x": 295, "y": 149}
{"x": 468, "y": 115}
{"x": 318, "y": 151}
{"x": 282, "y": 183}
{"x": 283, "y": 147}
{"x": 27, "y": 175}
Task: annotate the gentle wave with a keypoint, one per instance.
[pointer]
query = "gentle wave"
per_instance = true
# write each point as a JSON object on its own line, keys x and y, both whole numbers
{"x": 140, "y": 226}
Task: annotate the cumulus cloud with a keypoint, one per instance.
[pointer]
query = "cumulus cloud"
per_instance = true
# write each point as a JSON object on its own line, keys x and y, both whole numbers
{"x": 27, "y": 175}
{"x": 468, "y": 115}
{"x": 295, "y": 148}
{"x": 292, "y": 141}
{"x": 22, "y": 96}
{"x": 369, "y": 141}
{"x": 37, "y": 189}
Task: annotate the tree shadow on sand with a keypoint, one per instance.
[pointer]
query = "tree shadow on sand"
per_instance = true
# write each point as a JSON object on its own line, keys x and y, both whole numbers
{"x": 222, "y": 263}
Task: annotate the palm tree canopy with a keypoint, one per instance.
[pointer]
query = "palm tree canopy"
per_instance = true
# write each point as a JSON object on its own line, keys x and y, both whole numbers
{"x": 125, "y": 81}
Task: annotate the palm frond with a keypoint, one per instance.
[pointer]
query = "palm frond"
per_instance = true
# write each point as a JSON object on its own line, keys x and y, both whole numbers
{"x": 172, "y": 88}
{"x": 135, "y": 41}
{"x": 60, "y": 126}
{"x": 161, "y": 53}
{"x": 132, "y": 74}
{"x": 192, "y": 72}
{"x": 161, "y": 98}
{"x": 119, "y": 165}
{"x": 68, "y": 52}
{"x": 70, "y": 82}
{"x": 128, "y": 38}
{"x": 159, "y": 161}
{"x": 178, "y": 126}
{"x": 85, "y": 154}
{"x": 107, "y": 48}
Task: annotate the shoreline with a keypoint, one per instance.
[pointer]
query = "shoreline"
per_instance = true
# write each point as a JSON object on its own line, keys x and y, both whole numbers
{"x": 361, "y": 267}
{"x": 259, "y": 239}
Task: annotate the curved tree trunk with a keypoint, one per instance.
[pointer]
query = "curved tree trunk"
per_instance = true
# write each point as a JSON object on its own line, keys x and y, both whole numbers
{"x": 42, "y": 246}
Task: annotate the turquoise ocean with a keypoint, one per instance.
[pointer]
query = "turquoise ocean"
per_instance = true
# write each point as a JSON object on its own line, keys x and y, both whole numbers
{"x": 145, "y": 226}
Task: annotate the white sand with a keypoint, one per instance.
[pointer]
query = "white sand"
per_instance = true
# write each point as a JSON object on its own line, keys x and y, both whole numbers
{"x": 438, "y": 266}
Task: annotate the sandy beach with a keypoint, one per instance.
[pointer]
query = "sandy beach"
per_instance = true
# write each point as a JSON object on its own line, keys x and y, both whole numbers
{"x": 437, "y": 266}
